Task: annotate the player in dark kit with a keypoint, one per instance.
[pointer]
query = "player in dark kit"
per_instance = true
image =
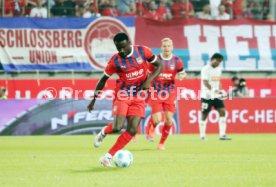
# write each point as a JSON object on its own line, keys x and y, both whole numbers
{"x": 131, "y": 65}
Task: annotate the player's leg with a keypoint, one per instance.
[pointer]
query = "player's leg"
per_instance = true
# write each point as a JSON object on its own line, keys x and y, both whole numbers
{"x": 135, "y": 111}
{"x": 115, "y": 126}
{"x": 205, "y": 109}
{"x": 155, "y": 120}
{"x": 169, "y": 108}
{"x": 126, "y": 136}
{"x": 112, "y": 127}
{"x": 119, "y": 111}
{"x": 118, "y": 124}
{"x": 219, "y": 106}
{"x": 166, "y": 129}
{"x": 123, "y": 140}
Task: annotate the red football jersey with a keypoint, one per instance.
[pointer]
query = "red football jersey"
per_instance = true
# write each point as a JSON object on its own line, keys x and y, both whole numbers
{"x": 132, "y": 70}
{"x": 165, "y": 80}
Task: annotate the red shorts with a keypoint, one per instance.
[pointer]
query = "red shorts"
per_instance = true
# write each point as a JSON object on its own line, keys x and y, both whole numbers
{"x": 158, "y": 104}
{"x": 129, "y": 107}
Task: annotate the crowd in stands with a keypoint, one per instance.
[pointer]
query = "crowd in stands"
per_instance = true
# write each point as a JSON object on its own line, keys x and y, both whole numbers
{"x": 160, "y": 10}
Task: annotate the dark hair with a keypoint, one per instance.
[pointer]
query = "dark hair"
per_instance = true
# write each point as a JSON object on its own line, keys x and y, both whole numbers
{"x": 217, "y": 56}
{"x": 121, "y": 36}
{"x": 242, "y": 82}
{"x": 235, "y": 78}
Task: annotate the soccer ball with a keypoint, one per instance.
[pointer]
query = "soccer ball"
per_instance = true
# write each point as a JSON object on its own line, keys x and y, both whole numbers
{"x": 123, "y": 158}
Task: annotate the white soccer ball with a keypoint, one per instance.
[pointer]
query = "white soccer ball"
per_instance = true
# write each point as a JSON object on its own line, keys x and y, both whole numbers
{"x": 123, "y": 158}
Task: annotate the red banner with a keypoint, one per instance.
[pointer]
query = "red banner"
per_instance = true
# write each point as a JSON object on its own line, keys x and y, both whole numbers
{"x": 246, "y": 44}
{"x": 67, "y": 88}
{"x": 256, "y": 115}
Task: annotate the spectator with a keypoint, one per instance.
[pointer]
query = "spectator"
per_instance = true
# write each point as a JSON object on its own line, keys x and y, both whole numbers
{"x": 152, "y": 13}
{"x": 265, "y": 9}
{"x": 206, "y": 13}
{"x": 253, "y": 9}
{"x": 140, "y": 8}
{"x": 124, "y": 5}
{"x": 222, "y": 14}
{"x": 15, "y": 7}
{"x": 79, "y": 7}
{"x": 132, "y": 10}
{"x": 199, "y": 5}
{"x": 38, "y": 11}
{"x": 242, "y": 89}
{"x": 63, "y": 8}
{"x": 3, "y": 93}
{"x": 79, "y": 10}
{"x": 179, "y": 9}
{"x": 89, "y": 11}
{"x": 102, "y": 4}
{"x": 44, "y": 3}
{"x": 145, "y": 4}
{"x": 7, "y": 11}
{"x": 214, "y": 4}
{"x": 237, "y": 9}
{"x": 228, "y": 6}
{"x": 234, "y": 88}
{"x": 239, "y": 88}
{"x": 164, "y": 11}
{"x": 111, "y": 10}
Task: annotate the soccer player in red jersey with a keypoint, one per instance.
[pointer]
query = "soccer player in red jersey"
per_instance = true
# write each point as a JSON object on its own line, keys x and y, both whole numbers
{"x": 163, "y": 97}
{"x": 131, "y": 64}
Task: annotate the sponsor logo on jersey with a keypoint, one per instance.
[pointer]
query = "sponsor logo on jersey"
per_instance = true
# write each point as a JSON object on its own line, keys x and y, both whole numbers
{"x": 134, "y": 74}
{"x": 165, "y": 75}
{"x": 215, "y": 78}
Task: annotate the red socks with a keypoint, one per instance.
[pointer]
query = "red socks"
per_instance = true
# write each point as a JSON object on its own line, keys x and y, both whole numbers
{"x": 108, "y": 129}
{"x": 165, "y": 133}
{"x": 121, "y": 142}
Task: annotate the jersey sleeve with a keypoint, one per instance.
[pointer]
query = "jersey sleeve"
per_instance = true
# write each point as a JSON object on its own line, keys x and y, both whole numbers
{"x": 150, "y": 57}
{"x": 204, "y": 74}
{"x": 110, "y": 69}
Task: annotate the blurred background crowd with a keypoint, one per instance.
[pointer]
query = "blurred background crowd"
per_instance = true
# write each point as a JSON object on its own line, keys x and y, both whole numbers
{"x": 161, "y": 10}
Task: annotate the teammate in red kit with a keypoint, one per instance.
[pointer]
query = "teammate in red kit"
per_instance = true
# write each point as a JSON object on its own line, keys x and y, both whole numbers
{"x": 131, "y": 64}
{"x": 164, "y": 92}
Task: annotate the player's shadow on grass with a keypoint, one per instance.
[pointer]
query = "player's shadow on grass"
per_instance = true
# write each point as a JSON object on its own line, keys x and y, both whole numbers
{"x": 146, "y": 149}
{"x": 94, "y": 170}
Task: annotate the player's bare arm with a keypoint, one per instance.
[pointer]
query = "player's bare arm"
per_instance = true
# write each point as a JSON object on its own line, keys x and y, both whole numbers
{"x": 206, "y": 83}
{"x": 99, "y": 87}
{"x": 220, "y": 87}
{"x": 157, "y": 70}
{"x": 181, "y": 74}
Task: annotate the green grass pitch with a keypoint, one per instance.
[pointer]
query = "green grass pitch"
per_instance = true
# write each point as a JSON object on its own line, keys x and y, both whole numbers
{"x": 246, "y": 161}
